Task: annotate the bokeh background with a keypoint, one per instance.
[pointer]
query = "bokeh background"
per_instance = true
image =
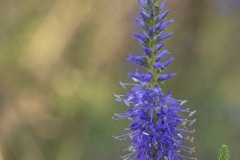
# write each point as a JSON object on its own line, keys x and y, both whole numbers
{"x": 61, "y": 61}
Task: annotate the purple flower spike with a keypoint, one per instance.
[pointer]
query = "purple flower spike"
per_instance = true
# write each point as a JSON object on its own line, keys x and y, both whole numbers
{"x": 158, "y": 121}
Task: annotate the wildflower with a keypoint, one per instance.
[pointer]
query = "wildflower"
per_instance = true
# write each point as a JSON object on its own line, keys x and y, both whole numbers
{"x": 157, "y": 128}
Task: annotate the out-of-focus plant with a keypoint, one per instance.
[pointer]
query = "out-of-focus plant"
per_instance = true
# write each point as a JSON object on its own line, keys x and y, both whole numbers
{"x": 224, "y": 153}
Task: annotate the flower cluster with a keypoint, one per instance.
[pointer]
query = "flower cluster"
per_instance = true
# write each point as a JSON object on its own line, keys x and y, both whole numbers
{"x": 157, "y": 128}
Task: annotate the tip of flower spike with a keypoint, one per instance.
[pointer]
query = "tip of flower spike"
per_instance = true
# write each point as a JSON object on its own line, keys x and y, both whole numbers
{"x": 224, "y": 153}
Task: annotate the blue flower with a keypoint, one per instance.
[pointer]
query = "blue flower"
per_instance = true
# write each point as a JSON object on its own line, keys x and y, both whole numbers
{"x": 158, "y": 123}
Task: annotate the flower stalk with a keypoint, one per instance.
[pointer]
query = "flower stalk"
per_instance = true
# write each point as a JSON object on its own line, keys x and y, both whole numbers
{"x": 158, "y": 122}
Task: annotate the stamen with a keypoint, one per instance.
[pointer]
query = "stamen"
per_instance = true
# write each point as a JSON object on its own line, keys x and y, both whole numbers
{"x": 192, "y": 113}
{"x": 183, "y": 102}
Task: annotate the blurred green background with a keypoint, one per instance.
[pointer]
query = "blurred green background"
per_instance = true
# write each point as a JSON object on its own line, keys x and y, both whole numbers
{"x": 61, "y": 61}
